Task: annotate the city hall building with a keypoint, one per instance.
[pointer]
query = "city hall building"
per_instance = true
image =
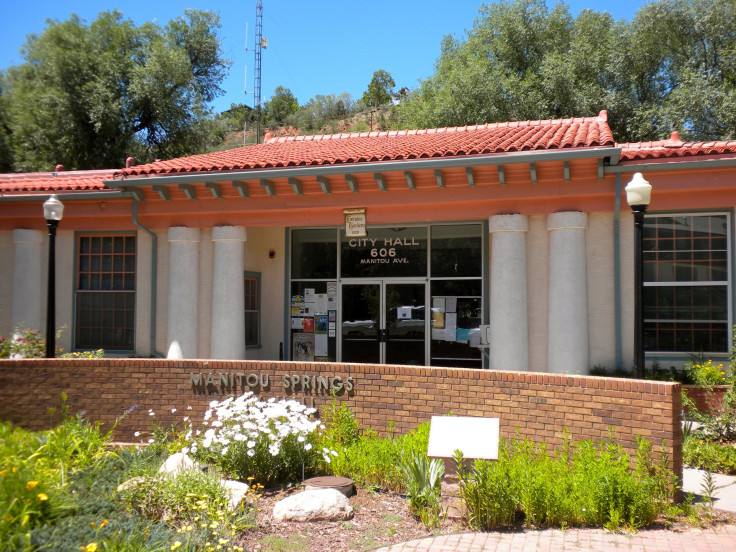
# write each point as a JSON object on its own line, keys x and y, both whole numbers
{"x": 506, "y": 246}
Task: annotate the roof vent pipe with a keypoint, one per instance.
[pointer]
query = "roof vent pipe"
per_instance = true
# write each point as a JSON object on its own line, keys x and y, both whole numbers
{"x": 59, "y": 168}
{"x": 675, "y": 136}
{"x": 129, "y": 162}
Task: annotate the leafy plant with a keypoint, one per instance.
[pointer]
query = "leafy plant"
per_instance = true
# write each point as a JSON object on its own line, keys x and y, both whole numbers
{"x": 422, "y": 477}
{"x": 706, "y": 373}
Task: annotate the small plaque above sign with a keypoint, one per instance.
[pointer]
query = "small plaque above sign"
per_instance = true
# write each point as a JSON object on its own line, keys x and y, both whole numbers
{"x": 476, "y": 438}
{"x": 355, "y": 225}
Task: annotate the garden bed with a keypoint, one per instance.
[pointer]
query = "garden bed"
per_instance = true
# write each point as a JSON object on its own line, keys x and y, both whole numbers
{"x": 381, "y": 519}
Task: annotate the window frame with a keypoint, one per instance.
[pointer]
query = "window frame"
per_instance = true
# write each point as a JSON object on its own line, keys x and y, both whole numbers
{"x": 257, "y": 277}
{"x": 728, "y": 284}
{"x": 78, "y": 235}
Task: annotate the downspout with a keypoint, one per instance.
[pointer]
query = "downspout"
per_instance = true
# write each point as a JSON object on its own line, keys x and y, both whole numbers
{"x": 154, "y": 255}
{"x": 617, "y": 269}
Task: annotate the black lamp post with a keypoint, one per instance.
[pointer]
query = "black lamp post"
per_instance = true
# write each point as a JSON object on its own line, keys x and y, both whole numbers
{"x": 53, "y": 210}
{"x": 638, "y": 195}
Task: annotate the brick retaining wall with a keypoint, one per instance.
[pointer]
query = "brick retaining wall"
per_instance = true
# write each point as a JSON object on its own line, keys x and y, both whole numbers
{"x": 535, "y": 406}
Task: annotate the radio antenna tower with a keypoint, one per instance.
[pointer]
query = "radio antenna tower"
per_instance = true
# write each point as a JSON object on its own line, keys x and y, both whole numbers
{"x": 260, "y": 44}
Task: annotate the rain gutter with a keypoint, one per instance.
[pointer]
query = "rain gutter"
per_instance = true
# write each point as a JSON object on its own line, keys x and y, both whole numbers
{"x": 113, "y": 194}
{"x": 356, "y": 168}
{"x": 154, "y": 276}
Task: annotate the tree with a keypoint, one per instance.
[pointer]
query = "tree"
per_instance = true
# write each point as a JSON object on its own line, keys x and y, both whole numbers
{"x": 672, "y": 67}
{"x": 88, "y": 96}
{"x": 282, "y": 104}
{"x": 380, "y": 89}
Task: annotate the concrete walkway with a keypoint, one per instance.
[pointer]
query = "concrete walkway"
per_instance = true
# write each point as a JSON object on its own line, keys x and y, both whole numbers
{"x": 719, "y": 539}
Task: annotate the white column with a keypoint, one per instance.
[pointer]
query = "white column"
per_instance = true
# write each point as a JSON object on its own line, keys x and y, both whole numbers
{"x": 567, "y": 345}
{"x": 27, "y": 292}
{"x": 183, "y": 292}
{"x": 228, "y": 316}
{"x": 509, "y": 340}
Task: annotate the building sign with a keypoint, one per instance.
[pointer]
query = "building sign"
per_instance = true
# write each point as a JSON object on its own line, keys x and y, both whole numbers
{"x": 385, "y": 252}
{"x": 354, "y": 222}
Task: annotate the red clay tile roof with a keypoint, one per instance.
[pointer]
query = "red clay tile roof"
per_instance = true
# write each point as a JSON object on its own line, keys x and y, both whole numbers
{"x": 65, "y": 181}
{"x": 674, "y": 147}
{"x": 367, "y": 147}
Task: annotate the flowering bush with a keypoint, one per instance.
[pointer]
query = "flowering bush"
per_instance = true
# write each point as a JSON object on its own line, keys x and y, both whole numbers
{"x": 706, "y": 373}
{"x": 272, "y": 442}
{"x": 29, "y": 344}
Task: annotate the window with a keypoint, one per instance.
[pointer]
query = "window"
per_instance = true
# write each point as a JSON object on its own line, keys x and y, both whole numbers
{"x": 686, "y": 283}
{"x": 252, "y": 283}
{"x": 105, "y": 295}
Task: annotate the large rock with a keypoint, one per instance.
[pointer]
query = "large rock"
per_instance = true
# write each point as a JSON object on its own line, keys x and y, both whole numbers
{"x": 177, "y": 463}
{"x": 318, "y": 505}
{"x": 236, "y": 490}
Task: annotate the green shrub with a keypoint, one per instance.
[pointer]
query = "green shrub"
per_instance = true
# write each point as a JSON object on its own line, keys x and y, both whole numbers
{"x": 272, "y": 442}
{"x": 374, "y": 461}
{"x": 706, "y": 454}
{"x": 706, "y": 373}
{"x": 594, "y": 484}
{"x": 195, "y": 503}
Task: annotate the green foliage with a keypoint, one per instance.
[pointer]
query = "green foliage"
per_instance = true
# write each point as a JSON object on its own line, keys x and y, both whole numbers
{"x": 706, "y": 373}
{"x": 380, "y": 89}
{"x": 89, "y": 95}
{"x": 592, "y": 485}
{"x": 523, "y": 60}
{"x": 28, "y": 343}
{"x": 707, "y": 454}
{"x": 195, "y": 503}
{"x": 282, "y": 104}
{"x": 374, "y": 461}
{"x": 321, "y": 112}
{"x": 341, "y": 427}
{"x": 422, "y": 478}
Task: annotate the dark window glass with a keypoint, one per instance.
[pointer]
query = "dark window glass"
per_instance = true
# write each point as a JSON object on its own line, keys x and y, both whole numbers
{"x": 386, "y": 252}
{"x": 314, "y": 253}
{"x": 252, "y": 309}
{"x": 105, "y": 297}
{"x": 457, "y": 250}
{"x": 689, "y": 254}
{"x": 454, "y": 349}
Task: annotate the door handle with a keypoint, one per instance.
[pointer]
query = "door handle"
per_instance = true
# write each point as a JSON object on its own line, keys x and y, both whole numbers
{"x": 382, "y": 336}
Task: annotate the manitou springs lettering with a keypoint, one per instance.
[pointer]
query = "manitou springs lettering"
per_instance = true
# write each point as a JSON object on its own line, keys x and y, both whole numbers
{"x": 292, "y": 383}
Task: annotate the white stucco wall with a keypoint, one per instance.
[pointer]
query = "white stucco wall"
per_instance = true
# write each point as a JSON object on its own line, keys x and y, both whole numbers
{"x": 260, "y": 242}
{"x": 6, "y": 277}
{"x": 204, "y": 308}
{"x": 601, "y": 296}
{"x": 537, "y": 291}
{"x": 65, "y": 279}
{"x": 162, "y": 292}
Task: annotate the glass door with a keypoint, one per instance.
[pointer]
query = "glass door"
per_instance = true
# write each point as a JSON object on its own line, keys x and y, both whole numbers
{"x": 384, "y": 322}
{"x": 361, "y": 315}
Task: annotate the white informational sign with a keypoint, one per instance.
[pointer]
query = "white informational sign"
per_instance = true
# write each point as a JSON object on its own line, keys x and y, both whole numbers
{"x": 474, "y": 437}
{"x": 403, "y": 313}
{"x": 451, "y": 304}
{"x": 450, "y": 326}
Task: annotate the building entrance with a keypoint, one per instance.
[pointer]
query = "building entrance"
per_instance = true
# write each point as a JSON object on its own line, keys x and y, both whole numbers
{"x": 383, "y": 321}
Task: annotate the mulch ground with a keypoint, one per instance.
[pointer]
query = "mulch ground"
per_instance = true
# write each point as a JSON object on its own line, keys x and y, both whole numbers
{"x": 380, "y": 519}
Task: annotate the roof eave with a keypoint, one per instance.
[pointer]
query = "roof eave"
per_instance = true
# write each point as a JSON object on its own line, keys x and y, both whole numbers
{"x": 612, "y": 153}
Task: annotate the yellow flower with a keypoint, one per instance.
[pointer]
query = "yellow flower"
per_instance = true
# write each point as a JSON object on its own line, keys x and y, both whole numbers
{"x": 43, "y": 496}
{"x": 176, "y": 545}
{"x": 91, "y": 547}
{"x": 30, "y": 485}
{"x": 3, "y": 472}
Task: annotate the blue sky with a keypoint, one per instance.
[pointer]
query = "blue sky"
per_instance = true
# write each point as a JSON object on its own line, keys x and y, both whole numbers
{"x": 314, "y": 47}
